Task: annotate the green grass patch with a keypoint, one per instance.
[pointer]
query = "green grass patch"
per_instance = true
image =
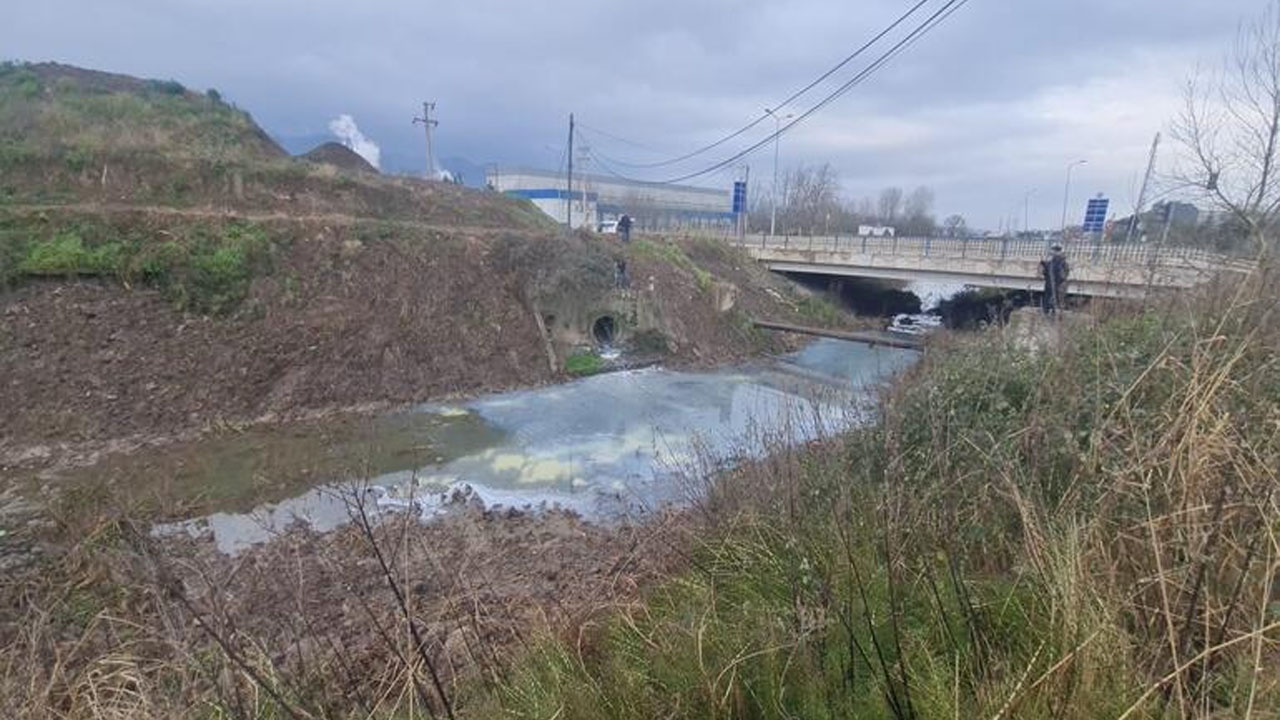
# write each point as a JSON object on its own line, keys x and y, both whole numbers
{"x": 583, "y": 363}
{"x": 672, "y": 254}
{"x": 984, "y": 549}
{"x": 820, "y": 311}
{"x": 66, "y": 254}
{"x": 203, "y": 268}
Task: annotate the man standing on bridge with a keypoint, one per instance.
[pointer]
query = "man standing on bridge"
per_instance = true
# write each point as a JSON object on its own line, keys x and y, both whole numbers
{"x": 1055, "y": 270}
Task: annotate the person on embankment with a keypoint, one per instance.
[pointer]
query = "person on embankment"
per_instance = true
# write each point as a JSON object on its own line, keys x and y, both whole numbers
{"x": 624, "y": 228}
{"x": 1054, "y": 270}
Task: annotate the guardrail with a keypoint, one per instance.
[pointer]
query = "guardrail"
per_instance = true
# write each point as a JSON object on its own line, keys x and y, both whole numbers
{"x": 992, "y": 249}
{"x": 988, "y": 249}
{"x": 1078, "y": 251}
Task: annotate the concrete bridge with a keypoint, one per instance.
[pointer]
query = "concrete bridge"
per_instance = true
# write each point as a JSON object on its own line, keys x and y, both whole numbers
{"x": 1102, "y": 270}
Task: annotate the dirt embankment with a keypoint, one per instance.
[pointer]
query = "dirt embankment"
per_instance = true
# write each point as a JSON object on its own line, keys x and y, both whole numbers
{"x": 343, "y": 316}
{"x": 339, "y": 322}
{"x": 339, "y": 156}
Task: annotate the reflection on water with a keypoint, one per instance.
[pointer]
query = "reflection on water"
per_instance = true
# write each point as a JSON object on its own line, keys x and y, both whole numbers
{"x": 604, "y": 445}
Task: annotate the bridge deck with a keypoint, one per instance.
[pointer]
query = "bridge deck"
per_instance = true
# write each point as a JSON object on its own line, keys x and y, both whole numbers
{"x": 1096, "y": 269}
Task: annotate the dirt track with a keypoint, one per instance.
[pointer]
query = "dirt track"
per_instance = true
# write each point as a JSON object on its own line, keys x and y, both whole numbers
{"x": 196, "y": 213}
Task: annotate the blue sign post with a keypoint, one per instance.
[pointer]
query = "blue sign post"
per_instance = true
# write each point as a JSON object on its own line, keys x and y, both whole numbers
{"x": 740, "y": 207}
{"x": 1095, "y": 215}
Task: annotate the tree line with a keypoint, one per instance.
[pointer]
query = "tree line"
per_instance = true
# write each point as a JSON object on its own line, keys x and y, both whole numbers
{"x": 810, "y": 202}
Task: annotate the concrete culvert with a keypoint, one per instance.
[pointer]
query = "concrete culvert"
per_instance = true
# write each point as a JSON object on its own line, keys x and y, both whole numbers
{"x": 603, "y": 330}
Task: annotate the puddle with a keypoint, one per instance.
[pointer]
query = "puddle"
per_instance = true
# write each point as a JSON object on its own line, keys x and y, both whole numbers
{"x": 606, "y": 446}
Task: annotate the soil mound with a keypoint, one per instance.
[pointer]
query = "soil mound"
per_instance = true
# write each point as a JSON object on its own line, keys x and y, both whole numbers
{"x": 339, "y": 156}
{"x": 50, "y": 108}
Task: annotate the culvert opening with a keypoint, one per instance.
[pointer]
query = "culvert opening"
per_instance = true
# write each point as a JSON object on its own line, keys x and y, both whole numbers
{"x": 603, "y": 330}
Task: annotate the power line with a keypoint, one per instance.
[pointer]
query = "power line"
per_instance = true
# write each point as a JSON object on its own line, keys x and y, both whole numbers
{"x": 791, "y": 98}
{"x": 611, "y": 136}
{"x": 605, "y": 163}
{"x": 937, "y": 18}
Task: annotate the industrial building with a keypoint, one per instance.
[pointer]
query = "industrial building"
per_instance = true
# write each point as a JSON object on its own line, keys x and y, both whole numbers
{"x": 600, "y": 198}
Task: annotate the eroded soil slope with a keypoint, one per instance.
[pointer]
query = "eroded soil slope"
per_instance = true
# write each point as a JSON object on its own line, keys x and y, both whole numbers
{"x": 338, "y": 316}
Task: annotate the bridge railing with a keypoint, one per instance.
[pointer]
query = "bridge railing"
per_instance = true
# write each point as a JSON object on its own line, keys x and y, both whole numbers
{"x": 986, "y": 249}
{"x": 1078, "y": 251}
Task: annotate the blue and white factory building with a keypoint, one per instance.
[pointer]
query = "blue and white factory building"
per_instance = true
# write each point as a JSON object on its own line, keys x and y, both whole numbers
{"x": 601, "y": 198}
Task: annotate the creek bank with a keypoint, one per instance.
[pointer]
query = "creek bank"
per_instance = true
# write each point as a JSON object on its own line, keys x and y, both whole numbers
{"x": 342, "y": 320}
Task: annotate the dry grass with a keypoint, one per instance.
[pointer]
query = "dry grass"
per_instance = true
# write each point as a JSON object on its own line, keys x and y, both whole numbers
{"x": 1089, "y": 530}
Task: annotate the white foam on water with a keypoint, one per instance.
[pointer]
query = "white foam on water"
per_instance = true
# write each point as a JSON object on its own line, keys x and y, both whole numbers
{"x": 933, "y": 294}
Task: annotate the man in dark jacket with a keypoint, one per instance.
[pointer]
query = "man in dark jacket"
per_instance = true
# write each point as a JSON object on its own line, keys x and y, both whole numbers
{"x": 1054, "y": 270}
{"x": 624, "y": 228}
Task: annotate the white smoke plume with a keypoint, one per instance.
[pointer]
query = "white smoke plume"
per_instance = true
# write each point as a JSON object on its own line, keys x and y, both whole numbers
{"x": 344, "y": 126}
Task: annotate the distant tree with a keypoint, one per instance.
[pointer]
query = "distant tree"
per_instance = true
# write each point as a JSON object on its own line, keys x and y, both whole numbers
{"x": 955, "y": 226}
{"x": 917, "y": 213}
{"x": 866, "y": 209}
{"x": 214, "y": 95}
{"x": 1229, "y": 130}
{"x": 919, "y": 202}
{"x": 890, "y": 204}
{"x": 810, "y": 199}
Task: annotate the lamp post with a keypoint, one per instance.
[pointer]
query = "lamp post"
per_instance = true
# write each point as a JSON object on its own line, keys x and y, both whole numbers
{"x": 1066, "y": 195}
{"x": 1026, "y": 209}
{"x": 773, "y": 199}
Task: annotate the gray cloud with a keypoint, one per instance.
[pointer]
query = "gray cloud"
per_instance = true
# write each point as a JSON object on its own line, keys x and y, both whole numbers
{"x": 996, "y": 101}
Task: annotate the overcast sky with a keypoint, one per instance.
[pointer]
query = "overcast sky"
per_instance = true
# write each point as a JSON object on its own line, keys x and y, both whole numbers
{"x": 994, "y": 102}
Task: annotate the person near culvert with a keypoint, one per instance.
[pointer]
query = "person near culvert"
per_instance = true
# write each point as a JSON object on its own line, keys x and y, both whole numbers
{"x": 624, "y": 228}
{"x": 620, "y": 277}
{"x": 1055, "y": 271}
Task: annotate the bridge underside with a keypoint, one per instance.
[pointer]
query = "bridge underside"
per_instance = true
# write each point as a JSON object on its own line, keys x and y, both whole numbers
{"x": 984, "y": 280}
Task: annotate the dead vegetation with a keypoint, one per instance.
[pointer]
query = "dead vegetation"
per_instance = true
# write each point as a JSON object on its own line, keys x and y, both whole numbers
{"x": 1088, "y": 531}
{"x": 1083, "y": 532}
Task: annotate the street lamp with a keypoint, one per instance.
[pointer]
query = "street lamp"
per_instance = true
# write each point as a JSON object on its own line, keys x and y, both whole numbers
{"x": 1066, "y": 195}
{"x": 773, "y": 200}
{"x": 1026, "y": 209}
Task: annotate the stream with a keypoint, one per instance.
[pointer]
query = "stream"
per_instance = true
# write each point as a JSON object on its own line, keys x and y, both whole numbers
{"x": 610, "y": 446}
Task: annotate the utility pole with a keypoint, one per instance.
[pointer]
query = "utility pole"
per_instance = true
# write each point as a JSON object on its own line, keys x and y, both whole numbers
{"x": 746, "y": 201}
{"x": 1168, "y": 220}
{"x": 1142, "y": 194}
{"x": 1026, "y": 210}
{"x": 1066, "y": 196}
{"x": 427, "y": 123}
{"x": 777, "y": 138}
{"x": 568, "y": 198}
